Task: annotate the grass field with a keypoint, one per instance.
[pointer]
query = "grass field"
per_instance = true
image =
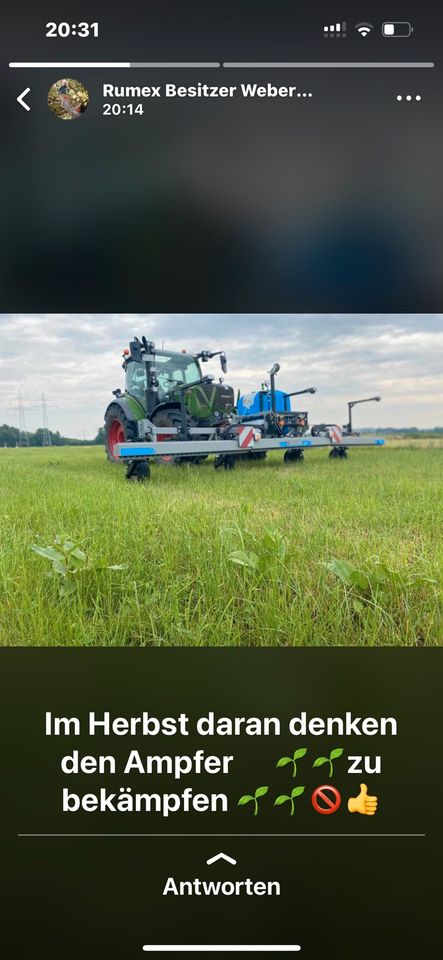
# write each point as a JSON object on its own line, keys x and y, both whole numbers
{"x": 223, "y": 558}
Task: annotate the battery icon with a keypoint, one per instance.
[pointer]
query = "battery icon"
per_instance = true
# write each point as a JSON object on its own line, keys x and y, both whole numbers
{"x": 396, "y": 30}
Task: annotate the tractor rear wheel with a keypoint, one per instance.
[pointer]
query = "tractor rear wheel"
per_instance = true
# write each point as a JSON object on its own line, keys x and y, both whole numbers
{"x": 118, "y": 429}
{"x": 172, "y": 418}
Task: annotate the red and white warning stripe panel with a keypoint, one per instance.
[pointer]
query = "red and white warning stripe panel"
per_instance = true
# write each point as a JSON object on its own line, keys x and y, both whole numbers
{"x": 335, "y": 434}
{"x": 246, "y": 436}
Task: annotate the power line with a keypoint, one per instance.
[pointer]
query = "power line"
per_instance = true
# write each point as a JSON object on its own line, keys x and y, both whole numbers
{"x": 47, "y": 440}
{"x": 24, "y": 435}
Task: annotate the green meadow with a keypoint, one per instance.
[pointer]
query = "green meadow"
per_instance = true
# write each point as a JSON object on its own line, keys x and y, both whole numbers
{"x": 320, "y": 553}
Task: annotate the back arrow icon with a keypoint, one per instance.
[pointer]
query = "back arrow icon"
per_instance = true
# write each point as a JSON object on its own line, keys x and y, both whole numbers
{"x": 221, "y": 856}
{"x": 21, "y": 99}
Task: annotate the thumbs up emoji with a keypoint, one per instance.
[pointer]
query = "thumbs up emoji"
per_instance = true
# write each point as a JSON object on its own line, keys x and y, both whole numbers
{"x": 363, "y": 803}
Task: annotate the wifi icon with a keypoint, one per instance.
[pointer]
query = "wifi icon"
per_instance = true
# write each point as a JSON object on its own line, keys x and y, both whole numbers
{"x": 364, "y": 29}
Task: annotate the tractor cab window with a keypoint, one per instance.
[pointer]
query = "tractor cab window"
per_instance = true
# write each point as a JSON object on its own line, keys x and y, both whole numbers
{"x": 135, "y": 379}
{"x": 172, "y": 372}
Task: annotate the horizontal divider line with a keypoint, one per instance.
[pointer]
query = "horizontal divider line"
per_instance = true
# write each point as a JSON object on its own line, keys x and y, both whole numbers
{"x": 256, "y": 836}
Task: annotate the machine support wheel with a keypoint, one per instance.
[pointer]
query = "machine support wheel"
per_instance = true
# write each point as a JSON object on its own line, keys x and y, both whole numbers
{"x": 338, "y": 452}
{"x": 225, "y": 460}
{"x": 256, "y": 455}
{"x": 293, "y": 456}
{"x": 138, "y": 471}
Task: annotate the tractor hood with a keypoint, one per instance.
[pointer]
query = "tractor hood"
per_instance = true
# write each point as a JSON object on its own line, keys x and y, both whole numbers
{"x": 207, "y": 399}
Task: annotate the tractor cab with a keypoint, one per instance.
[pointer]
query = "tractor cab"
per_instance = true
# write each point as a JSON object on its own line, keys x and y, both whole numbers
{"x": 165, "y": 380}
{"x": 168, "y": 389}
{"x": 173, "y": 370}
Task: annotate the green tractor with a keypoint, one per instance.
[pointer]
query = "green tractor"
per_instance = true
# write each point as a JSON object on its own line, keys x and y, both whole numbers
{"x": 169, "y": 390}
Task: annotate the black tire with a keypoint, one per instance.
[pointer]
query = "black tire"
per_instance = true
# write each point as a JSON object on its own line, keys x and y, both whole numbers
{"x": 172, "y": 418}
{"x": 293, "y": 456}
{"x": 338, "y": 453}
{"x": 257, "y": 455}
{"x": 118, "y": 429}
{"x": 138, "y": 471}
{"x": 225, "y": 460}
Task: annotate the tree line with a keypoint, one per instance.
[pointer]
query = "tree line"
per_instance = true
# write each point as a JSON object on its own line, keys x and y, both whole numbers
{"x": 13, "y": 437}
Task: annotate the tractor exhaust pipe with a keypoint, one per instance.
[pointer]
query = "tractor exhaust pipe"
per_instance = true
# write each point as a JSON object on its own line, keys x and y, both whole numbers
{"x": 272, "y": 373}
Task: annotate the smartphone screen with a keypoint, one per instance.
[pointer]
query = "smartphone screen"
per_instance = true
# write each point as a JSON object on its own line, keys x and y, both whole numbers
{"x": 221, "y": 443}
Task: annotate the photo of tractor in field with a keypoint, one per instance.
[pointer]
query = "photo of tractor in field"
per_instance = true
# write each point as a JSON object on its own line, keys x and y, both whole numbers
{"x": 171, "y": 412}
{"x": 247, "y": 534}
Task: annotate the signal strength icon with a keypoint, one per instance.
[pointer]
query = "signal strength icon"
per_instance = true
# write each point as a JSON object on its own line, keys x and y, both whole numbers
{"x": 336, "y": 31}
{"x": 364, "y": 29}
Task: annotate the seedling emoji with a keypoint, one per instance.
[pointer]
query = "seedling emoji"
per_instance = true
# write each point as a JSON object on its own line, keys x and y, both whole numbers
{"x": 297, "y": 755}
{"x": 334, "y": 754}
{"x": 260, "y": 792}
{"x": 296, "y": 792}
{"x": 363, "y": 803}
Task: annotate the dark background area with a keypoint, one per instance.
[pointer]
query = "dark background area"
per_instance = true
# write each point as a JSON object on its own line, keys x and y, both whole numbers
{"x": 344, "y": 896}
{"x": 332, "y": 204}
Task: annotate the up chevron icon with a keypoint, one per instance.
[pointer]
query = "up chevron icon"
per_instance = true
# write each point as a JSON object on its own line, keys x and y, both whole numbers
{"x": 221, "y": 856}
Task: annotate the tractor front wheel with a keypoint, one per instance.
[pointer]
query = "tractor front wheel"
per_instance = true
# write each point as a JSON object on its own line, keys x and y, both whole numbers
{"x": 172, "y": 418}
{"x": 118, "y": 429}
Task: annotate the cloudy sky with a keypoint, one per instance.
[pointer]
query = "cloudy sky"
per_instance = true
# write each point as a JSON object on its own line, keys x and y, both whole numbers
{"x": 75, "y": 360}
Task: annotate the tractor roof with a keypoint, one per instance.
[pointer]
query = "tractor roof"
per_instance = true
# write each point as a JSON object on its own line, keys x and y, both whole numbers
{"x": 173, "y": 353}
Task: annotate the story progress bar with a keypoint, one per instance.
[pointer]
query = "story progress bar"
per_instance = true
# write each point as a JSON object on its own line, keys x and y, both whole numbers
{"x": 215, "y": 65}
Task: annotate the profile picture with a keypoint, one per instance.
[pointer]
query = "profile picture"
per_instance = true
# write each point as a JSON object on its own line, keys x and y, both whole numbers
{"x": 68, "y": 99}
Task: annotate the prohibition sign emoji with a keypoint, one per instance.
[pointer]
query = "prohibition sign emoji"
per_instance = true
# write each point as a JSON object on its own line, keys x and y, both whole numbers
{"x": 326, "y": 799}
